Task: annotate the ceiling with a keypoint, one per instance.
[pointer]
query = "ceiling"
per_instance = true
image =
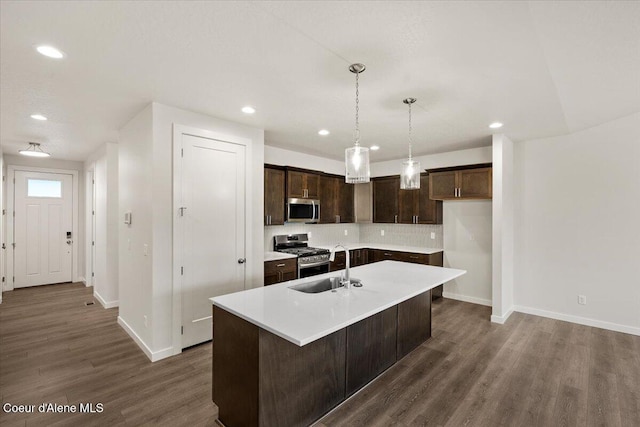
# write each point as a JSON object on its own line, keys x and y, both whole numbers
{"x": 541, "y": 68}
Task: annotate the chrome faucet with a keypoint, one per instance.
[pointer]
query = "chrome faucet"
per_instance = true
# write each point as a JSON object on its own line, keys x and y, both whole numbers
{"x": 332, "y": 257}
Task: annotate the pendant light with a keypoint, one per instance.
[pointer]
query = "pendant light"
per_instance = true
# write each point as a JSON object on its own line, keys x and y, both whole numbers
{"x": 34, "y": 150}
{"x": 356, "y": 158}
{"x": 410, "y": 175}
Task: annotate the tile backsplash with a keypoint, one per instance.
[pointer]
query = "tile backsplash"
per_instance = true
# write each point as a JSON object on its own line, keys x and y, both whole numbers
{"x": 332, "y": 234}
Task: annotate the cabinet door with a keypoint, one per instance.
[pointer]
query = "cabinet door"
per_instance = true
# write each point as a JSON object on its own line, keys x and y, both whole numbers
{"x": 339, "y": 262}
{"x": 442, "y": 185}
{"x": 312, "y": 182}
{"x": 475, "y": 183}
{"x": 345, "y": 201}
{"x": 429, "y": 211}
{"x": 385, "y": 199}
{"x": 408, "y": 206}
{"x": 296, "y": 184}
{"x": 328, "y": 197}
{"x": 274, "y": 196}
{"x": 437, "y": 260}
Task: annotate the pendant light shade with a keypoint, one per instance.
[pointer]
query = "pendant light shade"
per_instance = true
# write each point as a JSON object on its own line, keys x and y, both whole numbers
{"x": 34, "y": 150}
{"x": 356, "y": 158}
{"x": 410, "y": 174}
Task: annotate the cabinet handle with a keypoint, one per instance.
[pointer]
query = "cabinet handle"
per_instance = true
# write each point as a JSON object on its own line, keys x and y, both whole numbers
{"x": 387, "y": 254}
{"x": 280, "y": 265}
{"x": 413, "y": 257}
{"x": 337, "y": 219}
{"x": 459, "y": 192}
{"x": 305, "y": 193}
{"x": 417, "y": 219}
{"x": 395, "y": 219}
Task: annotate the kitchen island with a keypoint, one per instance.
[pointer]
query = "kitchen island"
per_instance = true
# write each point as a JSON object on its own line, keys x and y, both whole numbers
{"x": 284, "y": 357}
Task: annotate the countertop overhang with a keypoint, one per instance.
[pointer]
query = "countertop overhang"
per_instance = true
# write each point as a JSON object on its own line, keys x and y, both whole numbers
{"x": 303, "y": 318}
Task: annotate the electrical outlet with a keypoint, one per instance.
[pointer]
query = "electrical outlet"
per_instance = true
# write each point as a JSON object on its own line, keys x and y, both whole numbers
{"x": 146, "y": 322}
{"x": 346, "y": 232}
{"x": 433, "y": 235}
{"x": 382, "y": 232}
{"x": 582, "y": 299}
{"x": 309, "y": 234}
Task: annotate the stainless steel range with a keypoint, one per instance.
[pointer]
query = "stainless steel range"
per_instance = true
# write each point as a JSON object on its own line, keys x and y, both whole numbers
{"x": 311, "y": 261}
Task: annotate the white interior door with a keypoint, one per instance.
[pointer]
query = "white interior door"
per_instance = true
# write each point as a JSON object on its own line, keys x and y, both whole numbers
{"x": 43, "y": 224}
{"x": 213, "y": 211}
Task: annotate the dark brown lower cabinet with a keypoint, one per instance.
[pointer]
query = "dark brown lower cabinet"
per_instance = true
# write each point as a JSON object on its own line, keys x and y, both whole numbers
{"x": 260, "y": 379}
{"x": 280, "y": 271}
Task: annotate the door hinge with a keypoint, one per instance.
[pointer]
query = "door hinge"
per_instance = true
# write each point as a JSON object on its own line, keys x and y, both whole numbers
{"x": 181, "y": 330}
{"x": 4, "y": 211}
{"x": 14, "y": 279}
{"x": 93, "y": 243}
{"x": 181, "y": 271}
{"x": 4, "y": 246}
{"x": 13, "y": 245}
{"x": 182, "y": 152}
{"x": 2, "y": 279}
{"x": 93, "y": 274}
{"x": 93, "y": 212}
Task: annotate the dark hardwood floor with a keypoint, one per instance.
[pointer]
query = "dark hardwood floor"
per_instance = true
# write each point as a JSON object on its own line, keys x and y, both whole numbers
{"x": 53, "y": 348}
{"x": 532, "y": 371}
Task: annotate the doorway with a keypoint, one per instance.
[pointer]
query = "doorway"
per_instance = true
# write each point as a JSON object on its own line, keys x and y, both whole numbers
{"x": 42, "y": 226}
{"x": 209, "y": 225}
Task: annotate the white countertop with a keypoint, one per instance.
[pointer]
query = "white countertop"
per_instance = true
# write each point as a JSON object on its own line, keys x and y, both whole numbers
{"x": 384, "y": 247}
{"x": 303, "y": 318}
{"x": 275, "y": 256}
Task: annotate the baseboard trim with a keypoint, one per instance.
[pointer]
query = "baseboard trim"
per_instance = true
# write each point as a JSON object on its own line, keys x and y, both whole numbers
{"x": 105, "y": 304}
{"x": 153, "y": 356}
{"x": 466, "y": 298}
{"x": 579, "y": 320}
{"x": 83, "y": 280}
{"x": 501, "y": 319}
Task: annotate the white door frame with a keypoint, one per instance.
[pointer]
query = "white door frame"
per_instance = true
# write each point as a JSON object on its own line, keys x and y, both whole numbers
{"x": 11, "y": 169}
{"x": 178, "y": 226}
{"x": 90, "y": 224}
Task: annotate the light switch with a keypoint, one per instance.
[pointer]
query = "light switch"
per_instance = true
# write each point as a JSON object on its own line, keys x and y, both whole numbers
{"x": 382, "y": 232}
{"x": 433, "y": 235}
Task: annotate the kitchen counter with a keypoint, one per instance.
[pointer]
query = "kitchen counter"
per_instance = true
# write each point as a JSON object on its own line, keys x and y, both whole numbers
{"x": 275, "y": 256}
{"x": 384, "y": 247}
{"x": 302, "y": 318}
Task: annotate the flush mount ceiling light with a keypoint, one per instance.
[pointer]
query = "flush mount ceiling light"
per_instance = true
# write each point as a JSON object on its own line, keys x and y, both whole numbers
{"x": 38, "y": 117}
{"x": 34, "y": 150}
{"x": 50, "y": 51}
{"x": 495, "y": 125}
{"x": 323, "y": 132}
{"x": 356, "y": 158}
{"x": 374, "y": 148}
{"x": 248, "y": 109}
{"x": 410, "y": 175}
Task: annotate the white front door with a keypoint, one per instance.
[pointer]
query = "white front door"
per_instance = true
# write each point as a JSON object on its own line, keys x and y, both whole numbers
{"x": 213, "y": 215}
{"x": 42, "y": 228}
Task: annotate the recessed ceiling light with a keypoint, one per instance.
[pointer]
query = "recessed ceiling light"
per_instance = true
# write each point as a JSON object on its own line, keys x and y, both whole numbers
{"x": 495, "y": 125}
{"x": 38, "y": 117}
{"x": 323, "y": 132}
{"x": 50, "y": 51}
{"x": 248, "y": 109}
{"x": 374, "y": 148}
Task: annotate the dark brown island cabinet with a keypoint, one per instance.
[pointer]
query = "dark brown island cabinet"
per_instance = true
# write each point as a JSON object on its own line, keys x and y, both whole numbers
{"x": 396, "y": 206}
{"x": 461, "y": 183}
{"x": 260, "y": 379}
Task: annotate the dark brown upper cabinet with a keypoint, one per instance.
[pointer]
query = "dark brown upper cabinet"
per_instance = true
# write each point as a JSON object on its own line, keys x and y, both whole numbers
{"x": 411, "y": 206}
{"x": 303, "y": 185}
{"x": 274, "y": 179}
{"x": 385, "y": 199}
{"x": 464, "y": 183}
{"x": 336, "y": 200}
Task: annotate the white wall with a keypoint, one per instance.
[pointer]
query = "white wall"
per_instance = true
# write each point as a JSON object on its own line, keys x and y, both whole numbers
{"x": 577, "y": 228}
{"x": 2, "y": 223}
{"x": 103, "y": 164}
{"x": 146, "y": 177}
{"x": 17, "y": 160}
{"x": 467, "y": 245}
{"x": 282, "y": 157}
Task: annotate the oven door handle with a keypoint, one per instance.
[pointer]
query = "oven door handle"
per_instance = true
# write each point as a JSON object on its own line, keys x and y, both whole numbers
{"x": 315, "y": 264}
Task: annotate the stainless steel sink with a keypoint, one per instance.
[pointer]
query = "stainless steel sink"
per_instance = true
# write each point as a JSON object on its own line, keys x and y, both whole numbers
{"x": 321, "y": 285}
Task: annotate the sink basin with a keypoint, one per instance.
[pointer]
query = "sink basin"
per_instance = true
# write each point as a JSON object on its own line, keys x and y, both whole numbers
{"x": 321, "y": 285}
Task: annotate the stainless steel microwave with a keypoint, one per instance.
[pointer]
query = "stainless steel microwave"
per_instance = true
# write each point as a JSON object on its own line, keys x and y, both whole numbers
{"x": 303, "y": 210}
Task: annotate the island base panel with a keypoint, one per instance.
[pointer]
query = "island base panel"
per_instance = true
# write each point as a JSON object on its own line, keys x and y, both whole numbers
{"x": 235, "y": 369}
{"x": 414, "y": 323}
{"x": 298, "y": 385}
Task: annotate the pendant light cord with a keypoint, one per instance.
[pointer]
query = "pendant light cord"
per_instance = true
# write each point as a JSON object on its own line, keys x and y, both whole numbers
{"x": 410, "y": 143}
{"x": 357, "y": 141}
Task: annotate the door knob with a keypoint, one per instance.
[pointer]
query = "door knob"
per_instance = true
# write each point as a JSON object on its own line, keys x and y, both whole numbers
{"x": 241, "y": 260}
